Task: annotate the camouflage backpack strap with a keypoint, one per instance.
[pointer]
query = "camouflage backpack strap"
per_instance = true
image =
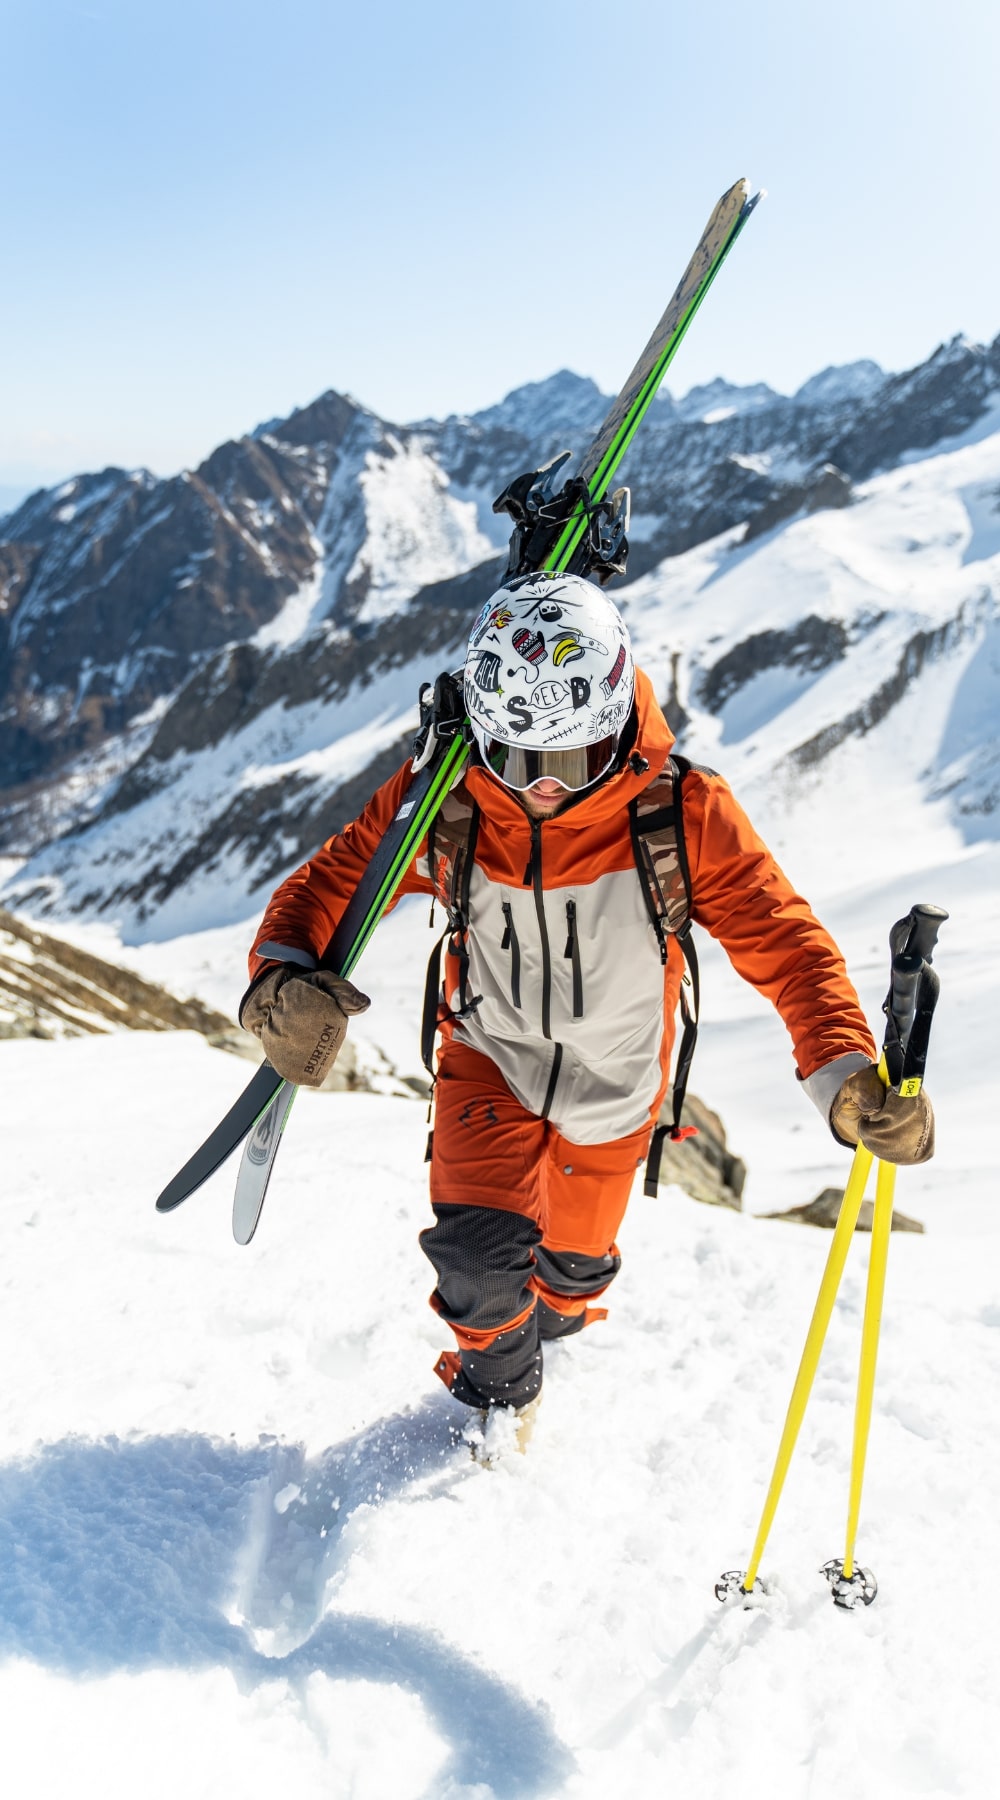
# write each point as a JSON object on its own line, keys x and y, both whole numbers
{"x": 450, "y": 858}
{"x": 657, "y": 826}
{"x": 451, "y": 847}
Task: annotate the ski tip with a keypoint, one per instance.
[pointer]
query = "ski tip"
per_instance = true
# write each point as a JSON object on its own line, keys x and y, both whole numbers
{"x": 741, "y": 198}
{"x": 171, "y": 1197}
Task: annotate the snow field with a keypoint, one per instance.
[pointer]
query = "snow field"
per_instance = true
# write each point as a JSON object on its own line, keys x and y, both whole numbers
{"x": 243, "y": 1544}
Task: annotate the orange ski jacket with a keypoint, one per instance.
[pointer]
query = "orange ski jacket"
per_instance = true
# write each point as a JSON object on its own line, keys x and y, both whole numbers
{"x": 574, "y": 1004}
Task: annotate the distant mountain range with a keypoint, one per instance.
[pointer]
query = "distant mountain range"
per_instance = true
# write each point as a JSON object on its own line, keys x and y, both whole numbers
{"x": 201, "y": 677}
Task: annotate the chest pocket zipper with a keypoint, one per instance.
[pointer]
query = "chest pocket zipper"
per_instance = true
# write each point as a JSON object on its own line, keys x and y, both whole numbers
{"x": 509, "y": 942}
{"x": 573, "y": 950}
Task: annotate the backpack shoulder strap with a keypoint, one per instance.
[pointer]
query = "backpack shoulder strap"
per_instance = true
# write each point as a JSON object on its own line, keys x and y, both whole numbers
{"x": 656, "y": 821}
{"x": 657, "y": 827}
{"x": 451, "y": 855}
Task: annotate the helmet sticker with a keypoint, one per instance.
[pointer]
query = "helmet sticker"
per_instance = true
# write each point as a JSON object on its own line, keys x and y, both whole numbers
{"x": 486, "y": 673}
{"x": 571, "y": 644}
{"x": 614, "y": 674}
{"x": 490, "y": 619}
{"x": 520, "y": 718}
{"x": 548, "y": 663}
{"x": 548, "y": 694}
{"x": 529, "y": 644}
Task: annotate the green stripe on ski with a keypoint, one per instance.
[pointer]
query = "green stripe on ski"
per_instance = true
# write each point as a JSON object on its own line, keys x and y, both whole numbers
{"x": 628, "y": 430}
{"x": 600, "y": 463}
{"x": 599, "y": 482}
{"x": 416, "y": 830}
{"x": 268, "y": 1103}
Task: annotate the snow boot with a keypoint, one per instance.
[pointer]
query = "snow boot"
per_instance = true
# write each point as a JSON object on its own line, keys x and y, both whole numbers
{"x": 499, "y": 1432}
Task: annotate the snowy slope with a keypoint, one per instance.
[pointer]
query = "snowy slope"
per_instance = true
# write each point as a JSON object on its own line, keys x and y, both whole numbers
{"x": 142, "y": 619}
{"x": 243, "y": 1547}
{"x": 784, "y": 650}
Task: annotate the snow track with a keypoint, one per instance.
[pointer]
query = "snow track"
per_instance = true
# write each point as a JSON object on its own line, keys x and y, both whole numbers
{"x": 250, "y": 1550}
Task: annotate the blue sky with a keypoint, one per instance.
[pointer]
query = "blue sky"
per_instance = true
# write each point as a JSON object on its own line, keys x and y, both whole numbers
{"x": 214, "y": 211}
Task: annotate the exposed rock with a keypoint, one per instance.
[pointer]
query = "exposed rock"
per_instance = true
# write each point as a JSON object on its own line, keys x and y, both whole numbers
{"x": 50, "y": 989}
{"x": 825, "y": 1210}
{"x": 923, "y": 647}
{"x": 702, "y": 1165}
{"x": 828, "y": 487}
{"x": 812, "y": 645}
{"x": 126, "y": 602}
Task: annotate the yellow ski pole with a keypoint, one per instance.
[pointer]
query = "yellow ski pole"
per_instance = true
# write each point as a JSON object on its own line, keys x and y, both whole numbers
{"x": 734, "y": 1580}
{"x": 851, "y": 1585}
{"x": 909, "y": 1008}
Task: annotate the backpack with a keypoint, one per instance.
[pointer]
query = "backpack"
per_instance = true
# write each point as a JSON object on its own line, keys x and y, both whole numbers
{"x": 656, "y": 825}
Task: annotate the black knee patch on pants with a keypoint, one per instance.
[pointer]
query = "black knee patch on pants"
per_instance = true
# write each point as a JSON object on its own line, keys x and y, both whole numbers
{"x": 484, "y": 1259}
{"x": 575, "y": 1275}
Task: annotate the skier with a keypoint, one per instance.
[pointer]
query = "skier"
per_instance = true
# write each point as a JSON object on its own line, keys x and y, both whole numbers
{"x": 561, "y": 978}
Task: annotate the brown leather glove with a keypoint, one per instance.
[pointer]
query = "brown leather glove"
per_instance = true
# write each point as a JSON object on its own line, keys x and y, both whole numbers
{"x": 301, "y": 1020}
{"x": 896, "y": 1130}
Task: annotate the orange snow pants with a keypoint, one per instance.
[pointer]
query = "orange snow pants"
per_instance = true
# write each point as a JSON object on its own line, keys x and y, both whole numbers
{"x": 525, "y": 1229}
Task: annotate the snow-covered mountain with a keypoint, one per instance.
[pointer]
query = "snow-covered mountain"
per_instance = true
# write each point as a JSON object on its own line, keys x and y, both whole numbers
{"x": 237, "y": 1517}
{"x": 203, "y": 677}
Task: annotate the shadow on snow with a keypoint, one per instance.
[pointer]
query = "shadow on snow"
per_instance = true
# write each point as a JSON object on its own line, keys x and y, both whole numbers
{"x": 170, "y": 1552}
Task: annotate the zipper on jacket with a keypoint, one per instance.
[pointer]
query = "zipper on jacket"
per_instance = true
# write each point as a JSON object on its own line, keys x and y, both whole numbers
{"x": 573, "y": 950}
{"x": 509, "y": 942}
{"x": 535, "y": 870}
{"x": 535, "y": 865}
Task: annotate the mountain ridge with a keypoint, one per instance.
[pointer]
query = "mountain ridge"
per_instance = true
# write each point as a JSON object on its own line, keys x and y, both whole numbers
{"x": 289, "y": 594}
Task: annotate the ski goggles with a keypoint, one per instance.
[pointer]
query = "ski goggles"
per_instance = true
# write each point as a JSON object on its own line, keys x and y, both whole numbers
{"x": 519, "y": 768}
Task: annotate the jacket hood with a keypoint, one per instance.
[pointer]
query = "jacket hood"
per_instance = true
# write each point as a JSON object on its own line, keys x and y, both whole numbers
{"x": 654, "y": 742}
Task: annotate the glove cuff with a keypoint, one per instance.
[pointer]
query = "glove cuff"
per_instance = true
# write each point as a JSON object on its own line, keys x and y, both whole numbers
{"x": 825, "y": 1084}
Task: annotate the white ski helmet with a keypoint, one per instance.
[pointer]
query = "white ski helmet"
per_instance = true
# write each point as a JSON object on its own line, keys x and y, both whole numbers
{"x": 549, "y": 681}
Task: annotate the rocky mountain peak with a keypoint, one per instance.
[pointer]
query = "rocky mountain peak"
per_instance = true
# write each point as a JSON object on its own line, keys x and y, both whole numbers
{"x": 717, "y": 400}
{"x": 292, "y": 588}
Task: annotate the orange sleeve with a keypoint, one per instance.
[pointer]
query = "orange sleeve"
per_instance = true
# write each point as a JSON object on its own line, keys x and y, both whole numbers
{"x": 770, "y": 934}
{"x": 304, "y": 912}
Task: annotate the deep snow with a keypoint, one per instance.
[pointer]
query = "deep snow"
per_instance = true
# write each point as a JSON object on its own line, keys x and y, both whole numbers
{"x": 243, "y": 1546}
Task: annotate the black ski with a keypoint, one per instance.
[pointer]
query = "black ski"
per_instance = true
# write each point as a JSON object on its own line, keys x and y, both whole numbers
{"x": 372, "y": 895}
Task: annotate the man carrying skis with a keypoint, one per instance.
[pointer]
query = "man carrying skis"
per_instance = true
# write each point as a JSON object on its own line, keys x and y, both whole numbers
{"x": 571, "y": 856}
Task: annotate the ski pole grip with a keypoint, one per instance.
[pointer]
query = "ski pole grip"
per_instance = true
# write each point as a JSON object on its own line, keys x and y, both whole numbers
{"x": 902, "y": 999}
{"x": 916, "y": 935}
{"x": 912, "y": 996}
{"x": 915, "y": 1059}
